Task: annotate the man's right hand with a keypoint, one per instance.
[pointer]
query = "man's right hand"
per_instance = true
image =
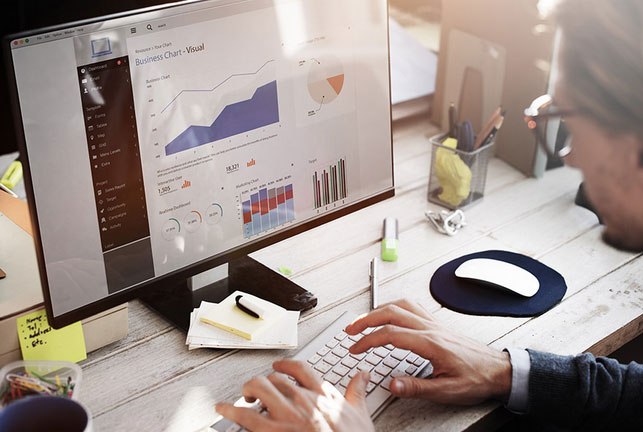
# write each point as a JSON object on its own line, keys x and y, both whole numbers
{"x": 465, "y": 372}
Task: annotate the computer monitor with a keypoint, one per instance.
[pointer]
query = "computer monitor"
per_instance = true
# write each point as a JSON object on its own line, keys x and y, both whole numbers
{"x": 160, "y": 143}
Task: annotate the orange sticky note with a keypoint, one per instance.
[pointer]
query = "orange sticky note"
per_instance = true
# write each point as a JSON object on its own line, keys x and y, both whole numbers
{"x": 38, "y": 341}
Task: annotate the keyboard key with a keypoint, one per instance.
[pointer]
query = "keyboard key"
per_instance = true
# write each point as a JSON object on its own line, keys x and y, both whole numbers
{"x": 350, "y": 362}
{"x": 322, "y": 367}
{"x": 332, "y": 359}
{"x": 373, "y": 359}
{"x": 347, "y": 343}
{"x": 353, "y": 372}
{"x": 355, "y": 338}
{"x": 340, "y": 352}
{"x": 381, "y": 351}
{"x": 332, "y": 343}
{"x": 411, "y": 358}
{"x": 365, "y": 366}
{"x": 383, "y": 370}
{"x": 386, "y": 383}
{"x": 370, "y": 387}
{"x": 376, "y": 378}
{"x": 345, "y": 381}
{"x": 323, "y": 351}
{"x": 359, "y": 356}
{"x": 419, "y": 361}
{"x": 398, "y": 372}
{"x": 367, "y": 331}
{"x": 398, "y": 354}
{"x": 332, "y": 378}
{"x": 314, "y": 359}
{"x": 411, "y": 370}
{"x": 391, "y": 362}
{"x": 341, "y": 336}
{"x": 341, "y": 370}
{"x": 389, "y": 347}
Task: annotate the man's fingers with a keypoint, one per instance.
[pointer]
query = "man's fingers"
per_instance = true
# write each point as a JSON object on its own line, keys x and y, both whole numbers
{"x": 299, "y": 371}
{"x": 356, "y": 390}
{"x": 426, "y": 388}
{"x": 261, "y": 388}
{"x": 413, "y": 307}
{"x": 298, "y": 397}
{"x": 413, "y": 340}
{"x": 389, "y": 314}
{"x": 246, "y": 417}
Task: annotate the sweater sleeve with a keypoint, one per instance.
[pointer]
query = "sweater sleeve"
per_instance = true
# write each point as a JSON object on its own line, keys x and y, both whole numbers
{"x": 585, "y": 392}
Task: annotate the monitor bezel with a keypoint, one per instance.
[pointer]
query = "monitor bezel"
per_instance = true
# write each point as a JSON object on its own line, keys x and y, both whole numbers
{"x": 178, "y": 276}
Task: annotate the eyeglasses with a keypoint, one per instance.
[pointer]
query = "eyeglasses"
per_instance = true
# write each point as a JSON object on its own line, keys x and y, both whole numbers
{"x": 542, "y": 109}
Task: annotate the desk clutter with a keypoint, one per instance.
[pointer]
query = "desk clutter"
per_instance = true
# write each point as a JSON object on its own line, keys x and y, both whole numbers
{"x": 460, "y": 159}
{"x": 242, "y": 321}
{"x": 47, "y": 378}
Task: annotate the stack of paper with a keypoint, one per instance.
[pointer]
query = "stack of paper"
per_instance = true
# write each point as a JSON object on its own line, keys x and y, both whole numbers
{"x": 278, "y": 329}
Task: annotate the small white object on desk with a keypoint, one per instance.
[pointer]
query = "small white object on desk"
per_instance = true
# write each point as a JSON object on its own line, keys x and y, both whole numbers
{"x": 500, "y": 274}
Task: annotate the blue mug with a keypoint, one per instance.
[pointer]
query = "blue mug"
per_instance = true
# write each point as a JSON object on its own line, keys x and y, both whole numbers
{"x": 45, "y": 413}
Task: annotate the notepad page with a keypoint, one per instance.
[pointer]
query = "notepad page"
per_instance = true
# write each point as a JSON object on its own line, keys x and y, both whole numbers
{"x": 227, "y": 316}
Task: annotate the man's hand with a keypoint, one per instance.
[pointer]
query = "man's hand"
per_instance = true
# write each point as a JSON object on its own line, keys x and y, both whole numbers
{"x": 465, "y": 372}
{"x": 313, "y": 406}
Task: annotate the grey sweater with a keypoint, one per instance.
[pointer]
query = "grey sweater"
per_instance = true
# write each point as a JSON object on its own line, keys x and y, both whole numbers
{"x": 585, "y": 393}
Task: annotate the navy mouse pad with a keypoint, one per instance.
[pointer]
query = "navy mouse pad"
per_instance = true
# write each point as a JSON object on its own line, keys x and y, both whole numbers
{"x": 473, "y": 298}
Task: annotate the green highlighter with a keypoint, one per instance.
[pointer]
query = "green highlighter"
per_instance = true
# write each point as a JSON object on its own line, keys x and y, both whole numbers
{"x": 390, "y": 239}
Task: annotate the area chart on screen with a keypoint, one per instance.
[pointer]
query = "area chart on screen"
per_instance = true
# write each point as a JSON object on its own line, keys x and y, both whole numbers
{"x": 261, "y": 110}
{"x": 268, "y": 208}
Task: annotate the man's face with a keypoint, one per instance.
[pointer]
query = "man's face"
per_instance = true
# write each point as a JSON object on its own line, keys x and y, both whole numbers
{"x": 612, "y": 175}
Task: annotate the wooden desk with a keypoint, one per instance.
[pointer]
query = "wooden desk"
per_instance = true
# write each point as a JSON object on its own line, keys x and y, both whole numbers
{"x": 149, "y": 381}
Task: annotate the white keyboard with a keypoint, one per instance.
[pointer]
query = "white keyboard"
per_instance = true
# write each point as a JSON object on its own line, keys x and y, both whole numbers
{"x": 328, "y": 356}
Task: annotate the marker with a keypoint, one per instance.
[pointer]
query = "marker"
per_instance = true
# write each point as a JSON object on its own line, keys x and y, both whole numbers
{"x": 390, "y": 240}
{"x": 13, "y": 175}
{"x": 374, "y": 285}
{"x": 249, "y": 307}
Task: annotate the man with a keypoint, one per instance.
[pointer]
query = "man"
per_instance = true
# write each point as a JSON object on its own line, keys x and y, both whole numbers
{"x": 600, "y": 96}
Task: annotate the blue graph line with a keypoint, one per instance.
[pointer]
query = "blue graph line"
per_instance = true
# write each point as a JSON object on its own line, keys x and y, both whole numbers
{"x": 217, "y": 86}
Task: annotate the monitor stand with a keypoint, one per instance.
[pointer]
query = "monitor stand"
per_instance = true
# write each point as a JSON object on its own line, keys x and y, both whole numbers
{"x": 176, "y": 302}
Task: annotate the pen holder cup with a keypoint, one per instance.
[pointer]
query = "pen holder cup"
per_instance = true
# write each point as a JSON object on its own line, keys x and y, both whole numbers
{"x": 457, "y": 177}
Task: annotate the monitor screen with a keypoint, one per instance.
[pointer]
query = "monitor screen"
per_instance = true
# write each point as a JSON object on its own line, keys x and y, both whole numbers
{"x": 163, "y": 139}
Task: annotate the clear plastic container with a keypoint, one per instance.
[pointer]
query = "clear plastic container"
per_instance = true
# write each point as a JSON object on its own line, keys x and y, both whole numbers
{"x": 46, "y": 369}
{"x": 457, "y": 178}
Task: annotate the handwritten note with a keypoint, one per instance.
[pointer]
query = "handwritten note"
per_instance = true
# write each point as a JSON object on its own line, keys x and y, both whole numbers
{"x": 38, "y": 341}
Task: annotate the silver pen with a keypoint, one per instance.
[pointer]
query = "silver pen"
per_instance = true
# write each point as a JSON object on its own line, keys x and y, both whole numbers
{"x": 374, "y": 286}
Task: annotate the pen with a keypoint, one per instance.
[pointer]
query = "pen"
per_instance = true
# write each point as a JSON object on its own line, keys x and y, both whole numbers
{"x": 7, "y": 190}
{"x": 486, "y": 130}
{"x": 374, "y": 287}
{"x": 452, "y": 120}
{"x": 494, "y": 131}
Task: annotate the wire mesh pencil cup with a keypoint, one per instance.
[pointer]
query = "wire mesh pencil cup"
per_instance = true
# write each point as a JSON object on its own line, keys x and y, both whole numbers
{"x": 457, "y": 178}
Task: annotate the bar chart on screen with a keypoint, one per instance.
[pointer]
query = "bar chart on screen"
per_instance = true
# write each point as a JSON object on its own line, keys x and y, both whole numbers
{"x": 268, "y": 207}
{"x": 329, "y": 184}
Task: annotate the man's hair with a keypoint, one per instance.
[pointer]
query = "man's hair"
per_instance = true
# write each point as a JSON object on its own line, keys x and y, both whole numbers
{"x": 602, "y": 61}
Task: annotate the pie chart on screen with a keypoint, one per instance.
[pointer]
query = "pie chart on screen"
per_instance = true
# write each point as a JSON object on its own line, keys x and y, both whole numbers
{"x": 325, "y": 79}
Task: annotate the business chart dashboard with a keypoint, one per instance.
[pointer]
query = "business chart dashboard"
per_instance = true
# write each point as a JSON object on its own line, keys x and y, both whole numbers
{"x": 196, "y": 129}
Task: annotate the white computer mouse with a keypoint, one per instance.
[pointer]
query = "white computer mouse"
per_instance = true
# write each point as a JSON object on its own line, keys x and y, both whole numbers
{"x": 499, "y": 274}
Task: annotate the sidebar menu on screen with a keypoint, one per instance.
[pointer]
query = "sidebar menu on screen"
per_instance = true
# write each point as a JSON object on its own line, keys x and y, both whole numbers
{"x": 114, "y": 157}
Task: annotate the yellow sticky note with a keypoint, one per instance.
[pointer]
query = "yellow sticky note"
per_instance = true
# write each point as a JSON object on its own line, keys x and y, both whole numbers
{"x": 38, "y": 341}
